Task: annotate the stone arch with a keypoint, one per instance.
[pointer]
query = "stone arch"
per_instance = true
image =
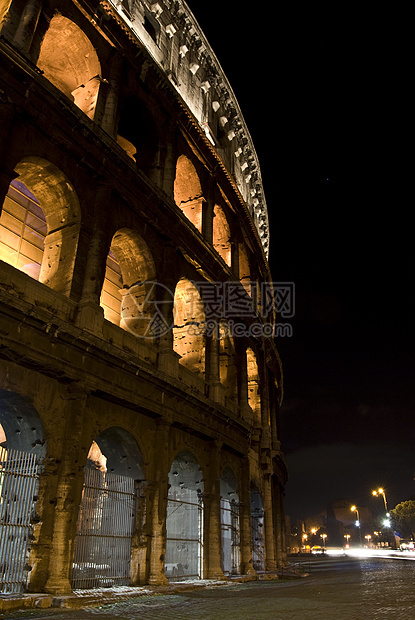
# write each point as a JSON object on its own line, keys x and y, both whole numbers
{"x": 254, "y": 396}
{"x": 69, "y": 60}
{"x": 227, "y": 360}
{"x": 257, "y": 529}
{"x": 129, "y": 290}
{"x": 189, "y": 326}
{"x": 138, "y": 134}
{"x": 222, "y": 235}
{"x": 112, "y": 506}
{"x": 188, "y": 193}
{"x": 184, "y": 522}
{"x": 22, "y": 428}
{"x": 40, "y": 224}
{"x": 230, "y": 522}
{"x": 22, "y": 447}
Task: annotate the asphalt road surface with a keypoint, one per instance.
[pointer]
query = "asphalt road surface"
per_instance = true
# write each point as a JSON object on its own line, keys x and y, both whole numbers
{"x": 343, "y": 588}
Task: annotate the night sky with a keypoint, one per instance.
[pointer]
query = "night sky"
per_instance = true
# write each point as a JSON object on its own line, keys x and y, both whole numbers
{"x": 324, "y": 95}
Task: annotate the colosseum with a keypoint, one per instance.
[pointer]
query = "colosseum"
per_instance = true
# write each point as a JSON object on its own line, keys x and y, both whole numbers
{"x": 140, "y": 382}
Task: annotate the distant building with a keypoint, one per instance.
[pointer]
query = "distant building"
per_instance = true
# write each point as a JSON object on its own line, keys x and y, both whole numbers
{"x": 139, "y": 378}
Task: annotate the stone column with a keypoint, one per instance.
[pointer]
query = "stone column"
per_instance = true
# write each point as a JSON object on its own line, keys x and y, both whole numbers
{"x": 168, "y": 359}
{"x": 6, "y": 125}
{"x": 90, "y": 314}
{"x": 158, "y": 490}
{"x": 109, "y": 118}
{"x": 245, "y": 521}
{"x": 245, "y": 409}
{"x": 68, "y": 492}
{"x": 212, "y": 521}
{"x": 270, "y": 563}
{"x": 216, "y": 389}
{"x": 279, "y": 522}
{"x": 27, "y": 25}
{"x": 207, "y": 212}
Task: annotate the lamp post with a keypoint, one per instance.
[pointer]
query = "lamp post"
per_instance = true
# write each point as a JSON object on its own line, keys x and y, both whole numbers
{"x": 324, "y": 536}
{"x": 382, "y": 493}
{"x": 357, "y": 523}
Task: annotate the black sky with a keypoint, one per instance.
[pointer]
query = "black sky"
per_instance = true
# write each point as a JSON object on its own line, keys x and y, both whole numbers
{"x": 325, "y": 95}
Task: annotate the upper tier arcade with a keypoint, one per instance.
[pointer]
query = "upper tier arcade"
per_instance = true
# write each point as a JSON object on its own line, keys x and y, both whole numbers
{"x": 177, "y": 44}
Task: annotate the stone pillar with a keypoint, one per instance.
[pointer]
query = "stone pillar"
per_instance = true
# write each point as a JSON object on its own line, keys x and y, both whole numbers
{"x": 109, "y": 118}
{"x": 27, "y": 25}
{"x": 68, "y": 493}
{"x": 90, "y": 314}
{"x": 279, "y": 522}
{"x": 207, "y": 212}
{"x": 168, "y": 359}
{"x": 215, "y": 388}
{"x": 212, "y": 522}
{"x": 6, "y": 124}
{"x": 245, "y": 521}
{"x": 270, "y": 563}
{"x": 158, "y": 490}
{"x": 245, "y": 409}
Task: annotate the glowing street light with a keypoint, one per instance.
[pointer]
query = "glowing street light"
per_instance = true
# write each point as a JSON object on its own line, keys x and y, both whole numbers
{"x": 382, "y": 493}
{"x": 324, "y": 536}
{"x": 357, "y": 522}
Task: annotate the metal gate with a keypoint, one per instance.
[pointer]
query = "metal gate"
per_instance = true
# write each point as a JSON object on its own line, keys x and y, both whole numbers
{"x": 18, "y": 486}
{"x": 184, "y": 548}
{"x": 258, "y": 546}
{"x": 229, "y": 510}
{"x": 105, "y": 527}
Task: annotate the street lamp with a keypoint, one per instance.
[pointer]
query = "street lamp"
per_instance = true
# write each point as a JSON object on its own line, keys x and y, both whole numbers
{"x": 357, "y": 522}
{"x": 382, "y": 493}
{"x": 347, "y": 537}
{"x": 368, "y": 537}
{"x": 324, "y": 536}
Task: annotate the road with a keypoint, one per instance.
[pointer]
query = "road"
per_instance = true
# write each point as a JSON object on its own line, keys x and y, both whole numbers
{"x": 341, "y": 588}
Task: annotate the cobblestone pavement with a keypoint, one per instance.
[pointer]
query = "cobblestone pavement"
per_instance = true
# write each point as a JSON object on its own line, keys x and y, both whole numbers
{"x": 336, "y": 589}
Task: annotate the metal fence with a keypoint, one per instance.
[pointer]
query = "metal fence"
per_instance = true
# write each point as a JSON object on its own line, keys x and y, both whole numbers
{"x": 258, "y": 545}
{"x": 184, "y": 548}
{"x": 229, "y": 512}
{"x": 105, "y": 527}
{"x": 19, "y": 472}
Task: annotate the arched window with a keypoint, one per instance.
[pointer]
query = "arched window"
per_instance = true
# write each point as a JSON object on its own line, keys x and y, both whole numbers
{"x": 39, "y": 224}
{"x": 188, "y": 191}
{"x": 112, "y": 505}
{"x": 189, "y": 326}
{"x": 230, "y": 525}
{"x": 69, "y": 60}
{"x": 184, "y": 524}
{"x": 222, "y": 235}
{"x": 129, "y": 291}
{"x": 138, "y": 134}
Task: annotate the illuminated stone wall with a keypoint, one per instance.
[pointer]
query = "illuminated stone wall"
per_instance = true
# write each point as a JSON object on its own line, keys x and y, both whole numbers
{"x": 129, "y": 223}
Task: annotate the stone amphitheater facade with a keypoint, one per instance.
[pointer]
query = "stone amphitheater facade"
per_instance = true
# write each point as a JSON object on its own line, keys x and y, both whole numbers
{"x": 138, "y": 367}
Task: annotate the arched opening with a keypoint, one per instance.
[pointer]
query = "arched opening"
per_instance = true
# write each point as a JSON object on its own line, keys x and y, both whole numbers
{"x": 254, "y": 396}
{"x": 39, "y": 224}
{"x": 189, "y": 326}
{"x": 257, "y": 530}
{"x": 138, "y": 134}
{"x": 111, "y": 507}
{"x": 244, "y": 268}
{"x": 129, "y": 292}
{"x": 69, "y": 60}
{"x": 184, "y": 525}
{"x": 188, "y": 191}
{"x": 222, "y": 235}
{"x": 227, "y": 362}
{"x": 22, "y": 448}
{"x": 230, "y": 526}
